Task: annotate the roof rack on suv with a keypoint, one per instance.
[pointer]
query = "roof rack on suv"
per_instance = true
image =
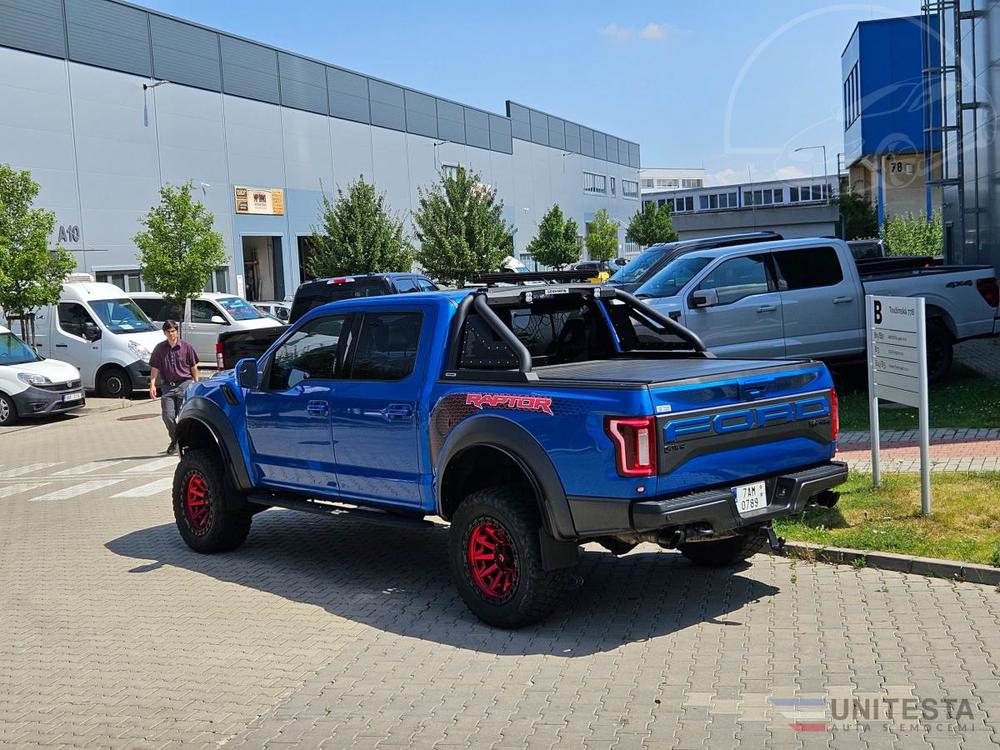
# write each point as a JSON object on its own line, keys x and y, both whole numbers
{"x": 516, "y": 279}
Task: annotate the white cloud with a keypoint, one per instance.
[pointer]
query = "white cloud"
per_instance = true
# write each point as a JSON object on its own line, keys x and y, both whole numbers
{"x": 658, "y": 31}
{"x": 617, "y": 33}
{"x": 651, "y": 32}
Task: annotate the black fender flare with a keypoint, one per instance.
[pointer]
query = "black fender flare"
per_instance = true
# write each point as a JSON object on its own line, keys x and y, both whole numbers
{"x": 199, "y": 410}
{"x": 521, "y": 446}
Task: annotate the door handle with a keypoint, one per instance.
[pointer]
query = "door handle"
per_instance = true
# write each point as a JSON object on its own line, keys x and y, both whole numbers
{"x": 842, "y": 300}
{"x": 317, "y": 408}
{"x": 399, "y": 411}
{"x": 61, "y": 346}
{"x": 767, "y": 308}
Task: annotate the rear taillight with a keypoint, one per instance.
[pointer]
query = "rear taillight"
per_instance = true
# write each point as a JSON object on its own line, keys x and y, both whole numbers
{"x": 635, "y": 444}
{"x": 219, "y": 362}
{"x": 990, "y": 290}
{"x": 834, "y": 413}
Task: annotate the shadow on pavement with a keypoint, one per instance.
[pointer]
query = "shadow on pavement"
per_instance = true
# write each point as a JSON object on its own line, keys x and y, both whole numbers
{"x": 395, "y": 577}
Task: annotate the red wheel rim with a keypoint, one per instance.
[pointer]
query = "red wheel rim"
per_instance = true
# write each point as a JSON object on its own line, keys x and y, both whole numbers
{"x": 197, "y": 511}
{"x": 492, "y": 560}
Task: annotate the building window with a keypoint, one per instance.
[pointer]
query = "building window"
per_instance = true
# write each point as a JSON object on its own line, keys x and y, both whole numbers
{"x": 630, "y": 189}
{"x": 450, "y": 171}
{"x": 594, "y": 183}
{"x": 612, "y": 185}
{"x": 852, "y": 97}
{"x": 793, "y": 195}
{"x": 689, "y": 203}
{"x": 647, "y": 182}
{"x": 127, "y": 280}
{"x": 779, "y": 195}
{"x": 691, "y": 183}
{"x": 702, "y": 202}
{"x": 670, "y": 184}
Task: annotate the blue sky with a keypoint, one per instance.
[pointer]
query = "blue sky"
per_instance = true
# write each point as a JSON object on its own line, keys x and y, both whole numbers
{"x": 710, "y": 83}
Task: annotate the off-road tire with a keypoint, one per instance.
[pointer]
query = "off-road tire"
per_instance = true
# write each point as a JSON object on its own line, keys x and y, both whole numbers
{"x": 722, "y": 552}
{"x": 534, "y": 592}
{"x": 211, "y": 515}
{"x": 114, "y": 382}
{"x": 940, "y": 351}
{"x": 8, "y": 411}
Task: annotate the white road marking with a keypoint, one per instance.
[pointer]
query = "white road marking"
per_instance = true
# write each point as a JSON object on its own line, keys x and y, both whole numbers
{"x": 26, "y": 469}
{"x": 145, "y": 490}
{"x": 16, "y": 489}
{"x": 77, "y": 489}
{"x": 151, "y": 466}
{"x": 88, "y": 468}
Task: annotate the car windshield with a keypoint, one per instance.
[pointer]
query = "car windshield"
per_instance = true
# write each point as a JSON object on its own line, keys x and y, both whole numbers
{"x": 239, "y": 308}
{"x": 669, "y": 280}
{"x": 636, "y": 268}
{"x": 13, "y": 351}
{"x": 121, "y": 316}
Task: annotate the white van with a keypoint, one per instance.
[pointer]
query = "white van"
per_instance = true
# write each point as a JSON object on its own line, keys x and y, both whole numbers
{"x": 205, "y": 317}
{"x": 97, "y": 328}
{"x": 32, "y": 386}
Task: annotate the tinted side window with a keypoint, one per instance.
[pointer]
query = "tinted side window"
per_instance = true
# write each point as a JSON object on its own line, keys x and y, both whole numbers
{"x": 426, "y": 285}
{"x": 738, "y": 278}
{"x": 72, "y": 317}
{"x": 406, "y": 285}
{"x": 808, "y": 268}
{"x": 202, "y": 311}
{"x": 151, "y": 307}
{"x": 314, "y": 352}
{"x": 387, "y": 346}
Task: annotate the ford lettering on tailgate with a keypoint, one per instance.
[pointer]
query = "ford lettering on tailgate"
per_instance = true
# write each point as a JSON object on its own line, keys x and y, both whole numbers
{"x": 814, "y": 410}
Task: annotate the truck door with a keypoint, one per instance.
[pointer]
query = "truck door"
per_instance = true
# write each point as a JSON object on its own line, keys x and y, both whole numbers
{"x": 72, "y": 340}
{"x": 821, "y": 304}
{"x": 288, "y": 417}
{"x": 745, "y": 321}
{"x": 375, "y": 410}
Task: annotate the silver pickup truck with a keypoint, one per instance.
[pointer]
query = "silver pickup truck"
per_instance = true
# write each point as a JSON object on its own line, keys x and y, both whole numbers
{"x": 804, "y": 298}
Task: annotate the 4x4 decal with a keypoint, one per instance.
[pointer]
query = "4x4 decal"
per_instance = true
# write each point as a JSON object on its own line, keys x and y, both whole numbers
{"x": 509, "y": 401}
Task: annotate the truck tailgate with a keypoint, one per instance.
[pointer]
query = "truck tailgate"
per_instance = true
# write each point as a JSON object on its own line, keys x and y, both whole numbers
{"x": 755, "y": 421}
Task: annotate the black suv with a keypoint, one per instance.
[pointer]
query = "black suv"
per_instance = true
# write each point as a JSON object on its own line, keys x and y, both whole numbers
{"x": 645, "y": 265}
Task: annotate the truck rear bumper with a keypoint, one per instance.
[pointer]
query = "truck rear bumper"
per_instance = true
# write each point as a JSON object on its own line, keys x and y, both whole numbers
{"x": 787, "y": 495}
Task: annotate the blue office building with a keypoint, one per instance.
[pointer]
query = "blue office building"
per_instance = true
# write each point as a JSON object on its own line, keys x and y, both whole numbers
{"x": 890, "y": 150}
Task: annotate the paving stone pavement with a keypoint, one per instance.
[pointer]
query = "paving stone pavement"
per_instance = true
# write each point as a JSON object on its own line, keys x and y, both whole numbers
{"x": 952, "y": 449}
{"x": 347, "y": 633}
{"x": 982, "y": 355}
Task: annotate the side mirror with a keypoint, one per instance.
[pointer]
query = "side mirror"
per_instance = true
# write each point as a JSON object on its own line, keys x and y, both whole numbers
{"x": 704, "y": 298}
{"x": 90, "y": 331}
{"x": 246, "y": 373}
{"x": 218, "y": 320}
{"x": 621, "y": 262}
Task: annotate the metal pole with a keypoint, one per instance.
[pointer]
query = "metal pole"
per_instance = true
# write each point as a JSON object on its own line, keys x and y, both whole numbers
{"x": 872, "y": 398}
{"x": 924, "y": 414}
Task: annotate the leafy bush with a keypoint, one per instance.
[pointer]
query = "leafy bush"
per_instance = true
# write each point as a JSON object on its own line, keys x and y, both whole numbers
{"x": 913, "y": 234}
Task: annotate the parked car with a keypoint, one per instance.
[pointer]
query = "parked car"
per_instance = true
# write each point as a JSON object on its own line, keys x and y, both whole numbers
{"x": 98, "y": 329}
{"x": 805, "y": 298}
{"x": 865, "y": 249}
{"x": 205, "y": 317}
{"x": 531, "y": 418}
{"x": 646, "y": 264}
{"x": 233, "y": 345}
{"x": 277, "y": 310}
{"x": 33, "y": 386}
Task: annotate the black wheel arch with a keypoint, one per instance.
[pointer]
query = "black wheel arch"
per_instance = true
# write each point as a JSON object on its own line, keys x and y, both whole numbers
{"x": 202, "y": 424}
{"x": 474, "y": 443}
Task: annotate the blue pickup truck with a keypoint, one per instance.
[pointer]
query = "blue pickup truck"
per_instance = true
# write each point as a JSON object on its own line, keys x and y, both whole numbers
{"x": 532, "y": 418}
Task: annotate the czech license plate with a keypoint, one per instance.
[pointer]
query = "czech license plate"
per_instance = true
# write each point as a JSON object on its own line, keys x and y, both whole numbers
{"x": 72, "y": 396}
{"x": 750, "y": 497}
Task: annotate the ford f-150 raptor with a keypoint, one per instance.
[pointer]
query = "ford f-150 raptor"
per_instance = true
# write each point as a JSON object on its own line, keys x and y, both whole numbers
{"x": 533, "y": 418}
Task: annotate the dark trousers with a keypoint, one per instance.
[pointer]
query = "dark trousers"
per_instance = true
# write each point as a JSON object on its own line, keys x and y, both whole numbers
{"x": 171, "y": 397}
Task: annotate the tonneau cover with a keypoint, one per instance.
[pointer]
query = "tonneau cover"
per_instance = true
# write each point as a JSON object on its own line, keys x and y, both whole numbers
{"x": 642, "y": 371}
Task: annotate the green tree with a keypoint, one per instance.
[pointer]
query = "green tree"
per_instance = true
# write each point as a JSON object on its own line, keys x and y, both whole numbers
{"x": 556, "y": 245}
{"x": 178, "y": 248}
{"x": 914, "y": 234}
{"x": 651, "y": 224}
{"x": 31, "y": 275}
{"x": 461, "y": 228}
{"x": 358, "y": 235}
{"x": 858, "y": 216}
{"x": 602, "y": 237}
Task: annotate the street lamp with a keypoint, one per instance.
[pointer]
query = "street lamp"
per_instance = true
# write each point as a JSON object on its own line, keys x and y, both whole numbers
{"x": 147, "y": 86}
{"x": 825, "y": 173}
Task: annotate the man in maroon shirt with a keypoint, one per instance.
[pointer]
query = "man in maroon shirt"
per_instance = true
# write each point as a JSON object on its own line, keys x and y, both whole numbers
{"x": 175, "y": 364}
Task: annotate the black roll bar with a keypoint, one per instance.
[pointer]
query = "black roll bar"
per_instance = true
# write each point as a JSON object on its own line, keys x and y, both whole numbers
{"x": 655, "y": 316}
{"x": 505, "y": 334}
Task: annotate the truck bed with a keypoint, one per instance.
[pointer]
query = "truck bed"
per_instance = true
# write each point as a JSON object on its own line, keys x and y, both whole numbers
{"x": 633, "y": 372}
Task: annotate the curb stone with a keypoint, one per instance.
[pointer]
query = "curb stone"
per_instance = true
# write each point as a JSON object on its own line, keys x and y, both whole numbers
{"x": 926, "y": 566}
